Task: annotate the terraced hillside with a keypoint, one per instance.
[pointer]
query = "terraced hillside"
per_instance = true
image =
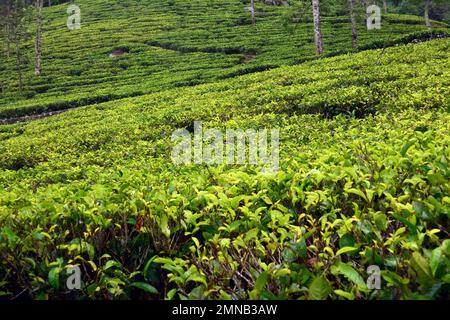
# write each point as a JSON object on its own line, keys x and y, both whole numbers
{"x": 363, "y": 180}
{"x": 171, "y": 43}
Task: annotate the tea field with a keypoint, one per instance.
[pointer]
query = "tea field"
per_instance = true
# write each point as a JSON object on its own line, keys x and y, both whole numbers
{"x": 364, "y": 177}
{"x": 170, "y": 44}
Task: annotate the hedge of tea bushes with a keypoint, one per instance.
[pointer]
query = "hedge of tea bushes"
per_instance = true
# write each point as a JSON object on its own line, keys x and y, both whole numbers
{"x": 360, "y": 183}
{"x": 413, "y": 76}
{"x": 172, "y": 44}
{"x": 153, "y": 231}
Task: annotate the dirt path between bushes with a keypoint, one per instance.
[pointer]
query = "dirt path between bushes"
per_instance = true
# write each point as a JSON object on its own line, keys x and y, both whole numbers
{"x": 32, "y": 117}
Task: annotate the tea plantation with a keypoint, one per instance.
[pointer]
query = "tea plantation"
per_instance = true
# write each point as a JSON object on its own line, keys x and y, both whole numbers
{"x": 364, "y": 177}
{"x": 170, "y": 43}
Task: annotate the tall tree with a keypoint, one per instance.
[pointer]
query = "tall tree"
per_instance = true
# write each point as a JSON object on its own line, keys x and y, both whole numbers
{"x": 38, "y": 40}
{"x": 351, "y": 4}
{"x": 5, "y": 24}
{"x": 317, "y": 29}
{"x": 431, "y": 9}
{"x": 18, "y": 23}
{"x": 252, "y": 9}
{"x": 385, "y": 6}
{"x": 427, "y": 13}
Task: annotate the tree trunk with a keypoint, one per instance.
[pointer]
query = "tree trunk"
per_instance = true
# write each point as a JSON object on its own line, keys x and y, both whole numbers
{"x": 252, "y": 4}
{"x": 18, "y": 62}
{"x": 5, "y": 26}
{"x": 385, "y": 6}
{"x": 351, "y": 4}
{"x": 317, "y": 32}
{"x": 8, "y": 29}
{"x": 38, "y": 40}
{"x": 427, "y": 14}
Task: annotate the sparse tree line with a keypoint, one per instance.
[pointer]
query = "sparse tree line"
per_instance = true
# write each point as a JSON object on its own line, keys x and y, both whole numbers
{"x": 352, "y": 12}
{"x": 21, "y": 20}
{"x": 17, "y": 17}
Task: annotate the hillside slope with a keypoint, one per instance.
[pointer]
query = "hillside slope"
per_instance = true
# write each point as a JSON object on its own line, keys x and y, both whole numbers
{"x": 171, "y": 44}
{"x": 363, "y": 180}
